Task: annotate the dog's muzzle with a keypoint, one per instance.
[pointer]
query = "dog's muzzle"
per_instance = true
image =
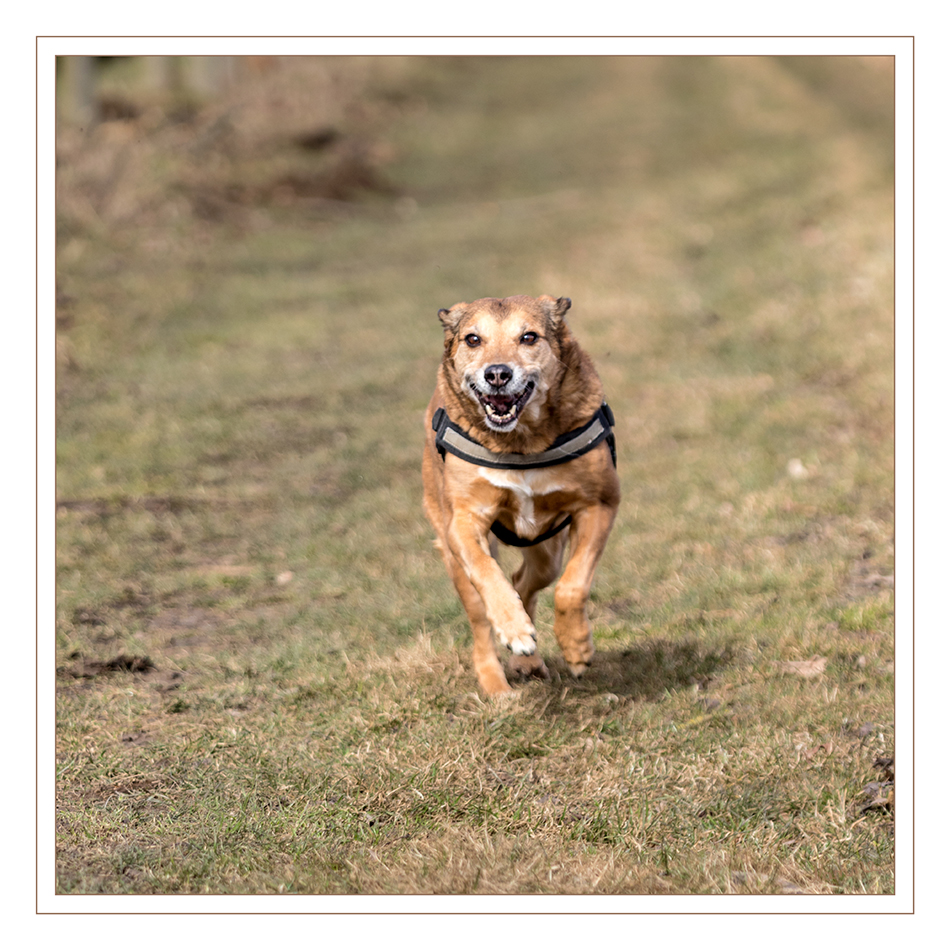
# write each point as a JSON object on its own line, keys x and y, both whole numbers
{"x": 502, "y": 392}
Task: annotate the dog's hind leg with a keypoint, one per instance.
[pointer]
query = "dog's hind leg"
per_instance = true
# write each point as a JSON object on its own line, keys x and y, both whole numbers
{"x": 589, "y": 532}
{"x": 540, "y": 567}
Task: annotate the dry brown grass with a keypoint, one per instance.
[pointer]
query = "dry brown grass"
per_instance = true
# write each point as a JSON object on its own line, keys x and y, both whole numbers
{"x": 244, "y": 366}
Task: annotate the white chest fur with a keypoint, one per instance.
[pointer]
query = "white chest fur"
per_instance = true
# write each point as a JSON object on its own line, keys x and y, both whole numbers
{"x": 527, "y": 486}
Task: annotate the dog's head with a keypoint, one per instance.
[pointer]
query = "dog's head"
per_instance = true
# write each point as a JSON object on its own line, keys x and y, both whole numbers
{"x": 505, "y": 354}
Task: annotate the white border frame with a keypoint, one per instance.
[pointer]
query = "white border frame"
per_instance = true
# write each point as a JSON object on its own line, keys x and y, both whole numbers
{"x": 47, "y": 48}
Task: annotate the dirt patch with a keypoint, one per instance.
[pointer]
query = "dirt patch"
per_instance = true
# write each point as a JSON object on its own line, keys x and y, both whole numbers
{"x": 86, "y": 669}
{"x": 103, "y": 791}
{"x": 345, "y": 181}
{"x": 867, "y": 578}
{"x": 879, "y": 796}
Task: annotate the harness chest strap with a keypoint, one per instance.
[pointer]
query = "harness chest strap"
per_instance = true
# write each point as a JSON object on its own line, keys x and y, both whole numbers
{"x": 450, "y": 438}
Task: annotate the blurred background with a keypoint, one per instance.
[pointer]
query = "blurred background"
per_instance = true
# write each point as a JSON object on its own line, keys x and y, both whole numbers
{"x": 251, "y": 254}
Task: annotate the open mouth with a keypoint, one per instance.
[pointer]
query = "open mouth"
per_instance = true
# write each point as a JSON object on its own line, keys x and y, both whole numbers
{"x": 502, "y": 409}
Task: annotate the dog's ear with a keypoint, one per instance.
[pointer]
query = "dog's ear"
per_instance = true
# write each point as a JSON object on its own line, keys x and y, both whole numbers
{"x": 452, "y": 317}
{"x": 556, "y": 308}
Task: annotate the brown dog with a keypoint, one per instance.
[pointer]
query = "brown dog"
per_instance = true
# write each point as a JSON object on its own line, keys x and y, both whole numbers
{"x": 519, "y": 446}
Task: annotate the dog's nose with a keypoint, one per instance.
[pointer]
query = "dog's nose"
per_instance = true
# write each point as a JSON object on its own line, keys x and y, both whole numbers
{"x": 497, "y": 374}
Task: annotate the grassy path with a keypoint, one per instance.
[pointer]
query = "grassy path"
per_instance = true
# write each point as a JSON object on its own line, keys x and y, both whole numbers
{"x": 242, "y": 375}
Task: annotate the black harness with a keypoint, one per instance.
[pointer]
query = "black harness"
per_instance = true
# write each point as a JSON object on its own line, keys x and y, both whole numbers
{"x": 451, "y": 438}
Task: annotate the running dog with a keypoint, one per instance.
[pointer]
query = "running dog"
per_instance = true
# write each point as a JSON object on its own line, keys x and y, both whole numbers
{"x": 519, "y": 448}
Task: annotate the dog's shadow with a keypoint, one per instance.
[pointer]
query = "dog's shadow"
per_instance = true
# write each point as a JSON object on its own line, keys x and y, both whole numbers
{"x": 646, "y": 671}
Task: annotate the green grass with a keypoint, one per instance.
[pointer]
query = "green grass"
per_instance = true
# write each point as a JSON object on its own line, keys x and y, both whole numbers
{"x": 239, "y": 433}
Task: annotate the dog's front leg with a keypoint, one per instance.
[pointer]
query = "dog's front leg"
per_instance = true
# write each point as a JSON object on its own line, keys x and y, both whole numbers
{"x": 589, "y": 531}
{"x": 489, "y": 671}
{"x": 468, "y": 540}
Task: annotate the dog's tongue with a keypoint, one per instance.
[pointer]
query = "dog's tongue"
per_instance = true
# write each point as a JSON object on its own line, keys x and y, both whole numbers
{"x": 501, "y": 404}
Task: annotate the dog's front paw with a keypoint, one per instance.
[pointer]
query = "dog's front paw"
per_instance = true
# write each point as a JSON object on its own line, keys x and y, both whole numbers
{"x": 522, "y": 644}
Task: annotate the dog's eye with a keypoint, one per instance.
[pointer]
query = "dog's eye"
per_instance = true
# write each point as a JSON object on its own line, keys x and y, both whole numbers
{"x": 473, "y": 340}
{"x": 529, "y": 338}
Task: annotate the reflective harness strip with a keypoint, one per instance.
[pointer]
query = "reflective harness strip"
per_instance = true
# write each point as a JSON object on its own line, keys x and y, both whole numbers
{"x": 450, "y": 438}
